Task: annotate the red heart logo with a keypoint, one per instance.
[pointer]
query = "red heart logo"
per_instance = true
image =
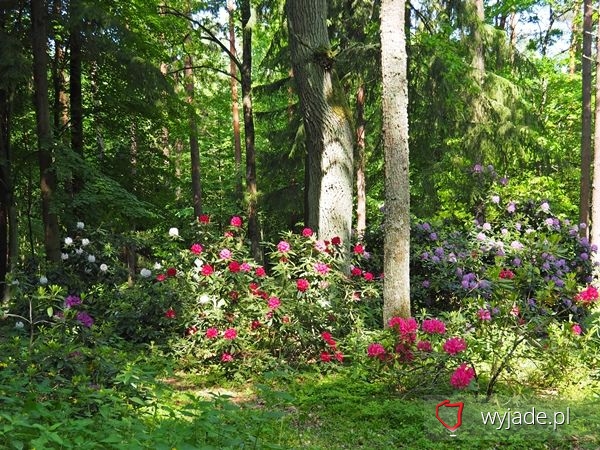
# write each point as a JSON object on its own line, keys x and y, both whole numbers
{"x": 447, "y": 404}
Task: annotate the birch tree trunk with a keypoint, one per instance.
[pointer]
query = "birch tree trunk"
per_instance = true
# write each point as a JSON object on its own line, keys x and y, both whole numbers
{"x": 327, "y": 122}
{"x": 396, "y": 244}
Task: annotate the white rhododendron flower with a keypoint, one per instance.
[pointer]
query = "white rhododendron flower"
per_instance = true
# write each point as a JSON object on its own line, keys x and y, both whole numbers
{"x": 157, "y": 266}
{"x": 79, "y": 251}
{"x": 64, "y": 256}
{"x": 80, "y": 225}
{"x": 91, "y": 258}
{"x": 68, "y": 241}
{"x": 19, "y": 325}
{"x": 145, "y": 273}
{"x": 85, "y": 242}
{"x": 173, "y": 232}
{"x": 103, "y": 267}
{"x": 43, "y": 280}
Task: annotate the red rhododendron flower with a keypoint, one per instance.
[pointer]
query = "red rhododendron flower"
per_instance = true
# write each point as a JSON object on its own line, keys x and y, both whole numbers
{"x": 424, "y": 346}
{"x": 253, "y": 287}
{"x": 236, "y": 221}
{"x": 368, "y": 276}
{"x": 359, "y": 249}
{"x": 171, "y": 271}
{"x": 302, "y": 285}
{"x": 196, "y": 249}
{"x": 170, "y": 313}
{"x": 161, "y": 277}
{"x": 404, "y": 353}
{"x": 204, "y": 218}
{"x": 506, "y": 274}
{"x": 233, "y": 295}
{"x": 462, "y": 376}
{"x": 260, "y": 272}
{"x": 212, "y": 333}
{"x": 433, "y": 326}
{"x": 325, "y": 357}
{"x": 307, "y": 232}
{"x": 255, "y": 324}
{"x": 207, "y": 270}
{"x": 376, "y": 350}
{"x": 336, "y": 240}
{"x": 339, "y": 356}
{"x": 327, "y": 338}
{"x": 454, "y": 345}
{"x": 226, "y": 357}
{"x": 234, "y": 266}
{"x": 230, "y": 334}
{"x": 356, "y": 271}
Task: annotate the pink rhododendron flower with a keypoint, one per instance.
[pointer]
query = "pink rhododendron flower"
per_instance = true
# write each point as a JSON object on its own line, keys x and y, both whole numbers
{"x": 321, "y": 268}
{"x": 433, "y": 326}
{"x": 339, "y": 356}
{"x": 515, "y": 311}
{"x": 196, "y": 249}
{"x": 273, "y": 303}
{"x": 321, "y": 246}
{"x": 407, "y": 328}
{"x": 424, "y": 346}
{"x": 307, "y": 232}
{"x": 72, "y": 300}
{"x": 228, "y": 234}
{"x": 356, "y": 271}
{"x": 245, "y": 267}
{"x": 236, "y": 221}
{"x": 230, "y": 333}
{"x": 359, "y": 249}
{"x": 170, "y": 313}
{"x": 376, "y": 350}
{"x": 283, "y": 247}
{"x": 484, "y": 314}
{"x": 191, "y": 330}
{"x": 211, "y": 333}
{"x": 85, "y": 319}
{"x": 368, "y": 276}
{"x": 225, "y": 253}
{"x": 302, "y": 284}
{"x": 260, "y": 272}
{"x": 576, "y": 329}
{"x": 207, "y": 270}
{"x": 285, "y": 319}
{"x": 588, "y": 295}
{"x": 161, "y": 277}
{"x": 462, "y": 376}
{"x": 454, "y": 345}
{"x": 226, "y": 357}
{"x": 404, "y": 352}
{"x": 204, "y": 218}
{"x": 325, "y": 357}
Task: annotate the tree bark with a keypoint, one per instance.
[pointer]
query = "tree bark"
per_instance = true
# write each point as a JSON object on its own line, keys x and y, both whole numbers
{"x": 44, "y": 130}
{"x": 361, "y": 189}
{"x": 595, "y": 229}
{"x": 235, "y": 112}
{"x": 75, "y": 90}
{"x": 396, "y": 250}
{"x": 327, "y": 122}
{"x": 193, "y": 127}
{"x": 251, "y": 187}
{"x": 586, "y": 118}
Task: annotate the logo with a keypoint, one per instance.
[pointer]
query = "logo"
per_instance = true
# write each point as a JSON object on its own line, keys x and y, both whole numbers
{"x": 459, "y": 411}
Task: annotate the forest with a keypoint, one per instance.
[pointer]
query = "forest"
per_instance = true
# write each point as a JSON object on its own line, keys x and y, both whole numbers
{"x": 299, "y": 224}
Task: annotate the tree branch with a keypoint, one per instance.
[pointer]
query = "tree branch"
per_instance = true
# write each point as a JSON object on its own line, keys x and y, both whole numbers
{"x": 225, "y": 72}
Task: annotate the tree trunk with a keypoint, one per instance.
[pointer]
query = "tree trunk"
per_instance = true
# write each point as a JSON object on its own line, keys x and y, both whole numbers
{"x": 396, "y": 245}
{"x": 327, "y": 122}
{"x": 194, "y": 146}
{"x": 251, "y": 188}
{"x": 235, "y": 112}
{"x": 5, "y": 190}
{"x": 75, "y": 91}
{"x": 575, "y": 43}
{"x": 595, "y": 230}
{"x": 44, "y": 130}
{"x": 586, "y": 118}
{"x": 361, "y": 194}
